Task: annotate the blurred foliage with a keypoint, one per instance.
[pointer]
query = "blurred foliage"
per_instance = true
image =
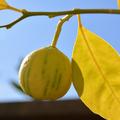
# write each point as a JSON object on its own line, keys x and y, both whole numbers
{"x": 15, "y": 84}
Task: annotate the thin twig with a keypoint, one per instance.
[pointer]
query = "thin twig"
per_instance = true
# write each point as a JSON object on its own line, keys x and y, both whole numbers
{"x": 60, "y": 13}
{"x": 8, "y": 26}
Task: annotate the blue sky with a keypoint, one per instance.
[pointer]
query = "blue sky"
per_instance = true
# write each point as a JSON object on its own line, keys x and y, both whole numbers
{"x": 35, "y": 32}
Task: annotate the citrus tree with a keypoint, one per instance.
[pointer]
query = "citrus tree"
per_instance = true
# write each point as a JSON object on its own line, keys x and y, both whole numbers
{"x": 47, "y": 73}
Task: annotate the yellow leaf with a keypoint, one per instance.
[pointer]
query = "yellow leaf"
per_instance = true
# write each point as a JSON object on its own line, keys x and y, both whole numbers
{"x": 96, "y": 74}
{"x": 118, "y": 3}
{"x": 3, "y": 5}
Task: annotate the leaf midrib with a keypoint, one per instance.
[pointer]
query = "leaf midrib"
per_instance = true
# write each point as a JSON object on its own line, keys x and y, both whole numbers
{"x": 96, "y": 63}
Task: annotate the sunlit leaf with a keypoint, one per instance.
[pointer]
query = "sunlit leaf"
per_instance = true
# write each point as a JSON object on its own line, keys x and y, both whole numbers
{"x": 3, "y": 5}
{"x": 98, "y": 83}
{"x": 118, "y": 3}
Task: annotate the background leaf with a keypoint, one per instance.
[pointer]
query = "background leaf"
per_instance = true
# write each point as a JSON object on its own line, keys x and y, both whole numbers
{"x": 17, "y": 86}
{"x": 100, "y": 67}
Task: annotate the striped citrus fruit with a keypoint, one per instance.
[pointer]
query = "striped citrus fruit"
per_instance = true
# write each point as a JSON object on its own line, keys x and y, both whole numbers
{"x": 45, "y": 74}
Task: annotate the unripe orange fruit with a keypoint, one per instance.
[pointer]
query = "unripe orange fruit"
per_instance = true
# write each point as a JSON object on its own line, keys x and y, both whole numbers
{"x": 45, "y": 74}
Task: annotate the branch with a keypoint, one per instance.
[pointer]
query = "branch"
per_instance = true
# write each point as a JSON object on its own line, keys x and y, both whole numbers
{"x": 60, "y": 13}
{"x": 74, "y": 12}
{"x": 8, "y": 26}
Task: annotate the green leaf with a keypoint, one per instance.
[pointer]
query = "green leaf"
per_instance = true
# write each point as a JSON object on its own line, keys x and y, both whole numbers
{"x": 17, "y": 86}
{"x": 97, "y": 80}
{"x": 3, "y": 5}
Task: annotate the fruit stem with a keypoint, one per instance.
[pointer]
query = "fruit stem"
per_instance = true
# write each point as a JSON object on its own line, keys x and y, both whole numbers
{"x": 59, "y": 28}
